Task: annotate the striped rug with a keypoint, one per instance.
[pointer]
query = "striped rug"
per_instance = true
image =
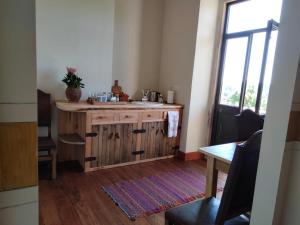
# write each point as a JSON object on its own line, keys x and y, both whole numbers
{"x": 157, "y": 193}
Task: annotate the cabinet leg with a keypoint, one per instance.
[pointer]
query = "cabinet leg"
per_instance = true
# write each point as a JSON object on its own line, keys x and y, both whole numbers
{"x": 54, "y": 154}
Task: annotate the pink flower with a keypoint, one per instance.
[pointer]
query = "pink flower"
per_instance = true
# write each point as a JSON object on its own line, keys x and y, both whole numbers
{"x": 71, "y": 70}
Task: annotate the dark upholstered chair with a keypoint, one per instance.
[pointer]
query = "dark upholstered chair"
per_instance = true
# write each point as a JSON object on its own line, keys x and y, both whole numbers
{"x": 237, "y": 197}
{"x": 45, "y": 143}
{"x": 248, "y": 122}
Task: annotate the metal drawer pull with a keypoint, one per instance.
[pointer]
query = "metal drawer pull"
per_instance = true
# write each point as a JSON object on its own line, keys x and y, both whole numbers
{"x": 139, "y": 131}
{"x": 88, "y": 159}
{"x": 110, "y": 136}
{"x": 138, "y": 152}
{"x": 92, "y": 134}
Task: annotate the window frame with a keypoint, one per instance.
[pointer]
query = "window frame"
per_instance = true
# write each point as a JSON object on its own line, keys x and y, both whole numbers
{"x": 271, "y": 26}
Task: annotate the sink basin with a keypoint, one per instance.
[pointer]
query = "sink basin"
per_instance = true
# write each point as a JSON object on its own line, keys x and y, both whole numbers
{"x": 147, "y": 103}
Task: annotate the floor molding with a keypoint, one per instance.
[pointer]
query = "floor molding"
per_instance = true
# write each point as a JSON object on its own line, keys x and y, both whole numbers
{"x": 188, "y": 156}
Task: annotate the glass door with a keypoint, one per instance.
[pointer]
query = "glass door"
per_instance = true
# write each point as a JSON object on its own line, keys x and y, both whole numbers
{"x": 245, "y": 71}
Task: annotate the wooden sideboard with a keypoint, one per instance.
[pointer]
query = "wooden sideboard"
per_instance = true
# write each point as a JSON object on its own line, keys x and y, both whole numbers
{"x": 108, "y": 135}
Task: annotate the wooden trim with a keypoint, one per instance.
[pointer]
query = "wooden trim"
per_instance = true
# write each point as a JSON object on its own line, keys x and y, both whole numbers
{"x": 128, "y": 163}
{"x": 293, "y": 133}
{"x": 88, "y": 141}
{"x": 189, "y": 156}
{"x": 18, "y": 155}
{"x": 139, "y": 136}
{"x": 83, "y": 106}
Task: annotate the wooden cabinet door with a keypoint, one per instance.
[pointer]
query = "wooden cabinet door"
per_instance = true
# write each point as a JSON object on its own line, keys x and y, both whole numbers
{"x": 113, "y": 144}
{"x": 155, "y": 141}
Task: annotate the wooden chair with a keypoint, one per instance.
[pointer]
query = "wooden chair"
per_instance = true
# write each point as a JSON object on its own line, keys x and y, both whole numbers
{"x": 45, "y": 143}
{"x": 248, "y": 122}
{"x": 237, "y": 197}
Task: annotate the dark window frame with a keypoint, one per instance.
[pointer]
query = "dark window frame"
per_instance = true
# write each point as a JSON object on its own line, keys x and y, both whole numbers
{"x": 271, "y": 26}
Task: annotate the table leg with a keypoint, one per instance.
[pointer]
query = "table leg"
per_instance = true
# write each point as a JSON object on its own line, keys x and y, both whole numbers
{"x": 211, "y": 177}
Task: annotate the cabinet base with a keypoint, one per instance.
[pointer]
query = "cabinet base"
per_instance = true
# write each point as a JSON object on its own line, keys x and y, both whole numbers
{"x": 127, "y": 163}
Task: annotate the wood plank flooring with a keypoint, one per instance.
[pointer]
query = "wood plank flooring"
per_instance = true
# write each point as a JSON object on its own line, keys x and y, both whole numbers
{"x": 76, "y": 198}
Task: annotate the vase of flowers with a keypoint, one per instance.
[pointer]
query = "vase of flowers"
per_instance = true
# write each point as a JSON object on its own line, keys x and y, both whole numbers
{"x": 73, "y": 81}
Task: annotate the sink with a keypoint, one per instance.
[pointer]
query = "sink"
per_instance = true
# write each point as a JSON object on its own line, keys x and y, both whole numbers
{"x": 147, "y": 103}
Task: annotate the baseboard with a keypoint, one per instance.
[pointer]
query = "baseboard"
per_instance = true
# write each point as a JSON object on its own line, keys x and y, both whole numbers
{"x": 188, "y": 156}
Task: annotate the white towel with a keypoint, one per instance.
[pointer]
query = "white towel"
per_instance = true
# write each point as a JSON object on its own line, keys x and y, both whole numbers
{"x": 173, "y": 119}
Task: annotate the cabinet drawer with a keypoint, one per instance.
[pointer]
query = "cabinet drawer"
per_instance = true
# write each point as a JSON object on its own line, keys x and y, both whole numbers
{"x": 103, "y": 118}
{"x": 128, "y": 117}
{"x": 153, "y": 116}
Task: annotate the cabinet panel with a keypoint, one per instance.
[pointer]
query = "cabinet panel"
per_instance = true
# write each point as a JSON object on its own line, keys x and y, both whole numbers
{"x": 152, "y": 116}
{"x": 103, "y": 118}
{"x": 129, "y": 117}
{"x": 155, "y": 142}
{"x": 114, "y": 144}
{"x": 18, "y": 155}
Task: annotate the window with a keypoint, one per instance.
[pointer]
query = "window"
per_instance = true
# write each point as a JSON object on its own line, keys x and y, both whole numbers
{"x": 248, "y": 51}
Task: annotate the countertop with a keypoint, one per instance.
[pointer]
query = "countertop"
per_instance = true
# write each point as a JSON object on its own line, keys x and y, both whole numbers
{"x": 83, "y": 106}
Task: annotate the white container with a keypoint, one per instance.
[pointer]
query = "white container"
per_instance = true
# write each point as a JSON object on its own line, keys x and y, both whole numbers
{"x": 170, "y": 97}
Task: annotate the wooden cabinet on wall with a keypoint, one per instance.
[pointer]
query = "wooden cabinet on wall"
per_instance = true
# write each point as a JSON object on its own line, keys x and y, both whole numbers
{"x": 103, "y": 136}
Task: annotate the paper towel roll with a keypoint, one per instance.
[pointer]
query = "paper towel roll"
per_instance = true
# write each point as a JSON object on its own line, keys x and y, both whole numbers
{"x": 170, "y": 97}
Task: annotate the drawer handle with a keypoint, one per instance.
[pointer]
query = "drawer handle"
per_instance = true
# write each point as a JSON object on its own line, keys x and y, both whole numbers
{"x": 138, "y": 152}
{"x": 139, "y": 131}
{"x": 89, "y": 159}
{"x": 127, "y": 116}
{"x": 110, "y": 136}
{"x": 149, "y": 115}
{"x": 92, "y": 134}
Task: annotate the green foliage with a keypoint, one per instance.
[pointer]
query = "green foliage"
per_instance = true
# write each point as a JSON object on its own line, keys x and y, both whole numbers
{"x": 72, "y": 80}
{"x": 250, "y": 97}
{"x": 232, "y": 97}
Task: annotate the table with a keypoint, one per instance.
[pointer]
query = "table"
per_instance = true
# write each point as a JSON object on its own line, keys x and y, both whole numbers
{"x": 219, "y": 157}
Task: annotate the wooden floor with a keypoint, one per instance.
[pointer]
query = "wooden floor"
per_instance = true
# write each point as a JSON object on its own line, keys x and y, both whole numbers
{"x": 76, "y": 198}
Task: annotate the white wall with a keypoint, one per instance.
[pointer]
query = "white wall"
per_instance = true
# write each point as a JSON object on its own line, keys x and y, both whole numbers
{"x": 178, "y": 53}
{"x": 142, "y": 43}
{"x": 74, "y": 33}
{"x": 105, "y": 40}
{"x": 137, "y": 44}
{"x": 198, "y": 117}
{"x": 17, "y": 44}
{"x": 18, "y": 96}
{"x": 276, "y": 122}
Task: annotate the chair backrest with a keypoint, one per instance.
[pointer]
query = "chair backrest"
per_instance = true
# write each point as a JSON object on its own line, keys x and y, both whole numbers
{"x": 44, "y": 110}
{"x": 239, "y": 188}
{"x": 248, "y": 122}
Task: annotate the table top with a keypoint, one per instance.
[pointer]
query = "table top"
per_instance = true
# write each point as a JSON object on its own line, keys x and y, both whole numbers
{"x": 222, "y": 152}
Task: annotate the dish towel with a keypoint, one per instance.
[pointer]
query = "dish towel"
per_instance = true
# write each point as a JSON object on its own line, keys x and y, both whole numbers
{"x": 173, "y": 119}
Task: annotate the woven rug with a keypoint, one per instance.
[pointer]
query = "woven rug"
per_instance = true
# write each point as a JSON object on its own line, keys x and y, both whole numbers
{"x": 157, "y": 193}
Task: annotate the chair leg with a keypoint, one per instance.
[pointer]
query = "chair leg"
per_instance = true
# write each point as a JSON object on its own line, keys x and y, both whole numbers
{"x": 168, "y": 222}
{"x": 54, "y": 153}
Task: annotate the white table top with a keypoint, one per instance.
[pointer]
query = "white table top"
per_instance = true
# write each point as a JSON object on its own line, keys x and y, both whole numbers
{"x": 223, "y": 152}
